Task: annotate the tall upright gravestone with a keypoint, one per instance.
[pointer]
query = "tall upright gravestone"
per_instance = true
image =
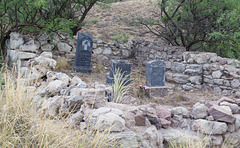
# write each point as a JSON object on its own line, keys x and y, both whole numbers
{"x": 83, "y": 53}
{"x": 155, "y": 73}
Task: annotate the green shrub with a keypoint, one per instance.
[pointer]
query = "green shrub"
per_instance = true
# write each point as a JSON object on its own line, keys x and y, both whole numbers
{"x": 121, "y": 37}
{"x": 94, "y": 20}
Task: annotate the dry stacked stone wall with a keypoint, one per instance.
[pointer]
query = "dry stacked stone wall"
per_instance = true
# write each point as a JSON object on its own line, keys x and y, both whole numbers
{"x": 189, "y": 71}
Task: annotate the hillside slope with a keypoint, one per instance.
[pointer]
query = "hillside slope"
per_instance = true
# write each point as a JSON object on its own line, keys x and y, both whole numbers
{"x": 107, "y": 21}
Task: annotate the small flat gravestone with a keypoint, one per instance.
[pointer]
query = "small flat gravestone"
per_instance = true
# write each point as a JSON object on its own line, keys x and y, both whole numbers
{"x": 155, "y": 73}
{"x": 124, "y": 67}
{"x": 83, "y": 53}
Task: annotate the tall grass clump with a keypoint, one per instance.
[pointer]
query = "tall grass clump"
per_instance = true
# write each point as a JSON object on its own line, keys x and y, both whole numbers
{"x": 21, "y": 126}
{"x": 120, "y": 87}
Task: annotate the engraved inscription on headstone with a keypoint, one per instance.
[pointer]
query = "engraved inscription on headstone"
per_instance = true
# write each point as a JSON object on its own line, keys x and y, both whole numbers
{"x": 155, "y": 73}
{"x": 124, "y": 67}
{"x": 83, "y": 53}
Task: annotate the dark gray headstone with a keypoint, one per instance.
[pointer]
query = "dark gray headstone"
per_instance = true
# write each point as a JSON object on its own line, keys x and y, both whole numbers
{"x": 123, "y": 65}
{"x": 155, "y": 73}
{"x": 83, "y": 53}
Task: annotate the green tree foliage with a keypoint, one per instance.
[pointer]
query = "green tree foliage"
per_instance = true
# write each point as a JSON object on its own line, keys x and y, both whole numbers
{"x": 203, "y": 25}
{"x": 45, "y": 15}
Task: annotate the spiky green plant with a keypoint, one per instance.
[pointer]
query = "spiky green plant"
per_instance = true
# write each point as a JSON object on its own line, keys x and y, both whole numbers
{"x": 120, "y": 87}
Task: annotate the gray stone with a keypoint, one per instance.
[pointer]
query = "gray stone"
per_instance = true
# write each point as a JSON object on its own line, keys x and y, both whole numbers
{"x": 12, "y": 57}
{"x": 83, "y": 55}
{"x": 93, "y": 96}
{"x": 45, "y": 61}
{"x": 209, "y": 127}
{"x": 26, "y": 55}
{"x": 75, "y": 119}
{"x": 178, "y": 67}
{"x": 47, "y": 47}
{"x": 177, "y": 78}
{"x": 126, "y": 53}
{"x": 30, "y": 46}
{"x": 179, "y": 136}
{"x": 222, "y": 113}
{"x": 155, "y": 73}
{"x": 98, "y": 50}
{"x": 237, "y": 122}
{"x": 235, "y": 83}
{"x": 217, "y": 90}
{"x": 16, "y": 40}
{"x": 124, "y": 68}
{"x": 217, "y": 74}
{"x": 234, "y": 107}
{"x": 194, "y": 69}
{"x": 55, "y": 86}
{"x": 197, "y": 80}
{"x": 218, "y": 81}
{"x": 51, "y": 106}
{"x": 181, "y": 111}
{"x": 125, "y": 139}
{"x": 107, "y": 51}
{"x": 75, "y": 81}
{"x": 214, "y": 141}
{"x": 150, "y": 137}
{"x": 232, "y": 138}
{"x": 63, "y": 47}
{"x": 58, "y": 76}
{"x": 110, "y": 121}
{"x": 199, "y": 111}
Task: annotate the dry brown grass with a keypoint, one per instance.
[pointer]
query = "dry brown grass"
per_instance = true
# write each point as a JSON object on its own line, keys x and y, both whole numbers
{"x": 62, "y": 63}
{"x": 21, "y": 126}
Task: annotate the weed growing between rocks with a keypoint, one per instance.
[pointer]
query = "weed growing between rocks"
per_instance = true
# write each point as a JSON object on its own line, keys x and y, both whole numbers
{"x": 22, "y": 126}
{"x": 62, "y": 63}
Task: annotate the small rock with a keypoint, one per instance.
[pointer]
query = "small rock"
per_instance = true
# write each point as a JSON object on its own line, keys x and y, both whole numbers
{"x": 199, "y": 111}
{"x": 181, "y": 111}
{"x": 64, "y": 47}
{"x": 140, "y": 120}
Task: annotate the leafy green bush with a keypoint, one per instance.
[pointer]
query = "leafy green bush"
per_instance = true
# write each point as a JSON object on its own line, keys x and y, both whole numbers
{"x": 121, "y": 37}
{"x": 201, "y": 25}
{"x": 44, "y": 15}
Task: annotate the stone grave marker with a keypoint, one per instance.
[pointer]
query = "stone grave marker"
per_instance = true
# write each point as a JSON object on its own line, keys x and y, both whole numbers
{"x": 155, "y": 79}
{"x": 83, "y": 53}
{"x": 123, "y": 65}
{"x": 155, "y": 73}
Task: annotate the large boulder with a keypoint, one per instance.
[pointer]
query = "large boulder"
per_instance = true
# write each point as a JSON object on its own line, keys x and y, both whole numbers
{"x": 51, "y": 106}
{"x": 16, "y": 40}
{"x": 58, "y": 76}
{"x": 54, "y": 87}
{"x": 181, "y": 111}
{"x": 209, "y": 127}
{"x": 26, "y": 55}
{"x": 105, "y": 118}
{"x": 45, "y": 60}
{"x": 30, "y": 46}
{"x": 222, "y": 113}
